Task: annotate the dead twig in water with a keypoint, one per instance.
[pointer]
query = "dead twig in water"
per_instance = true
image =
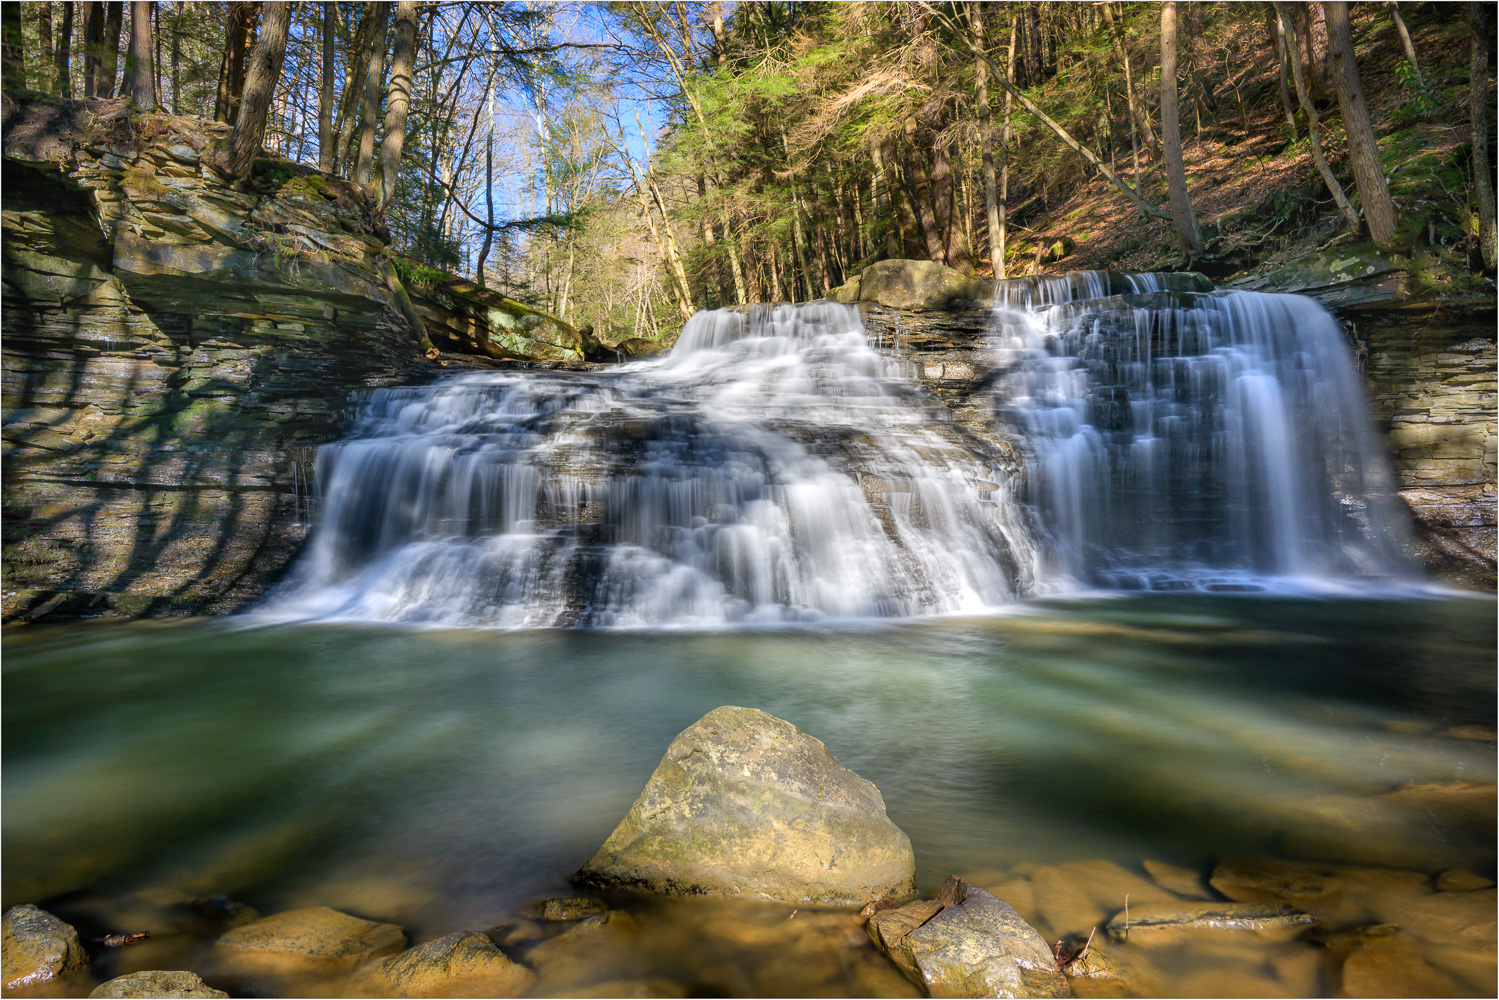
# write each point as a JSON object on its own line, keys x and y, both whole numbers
{"x": 120, "y": 940}
{"x": 1064, "y": 957}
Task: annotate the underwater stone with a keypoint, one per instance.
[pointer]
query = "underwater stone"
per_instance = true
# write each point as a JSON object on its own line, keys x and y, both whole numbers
{"x": 746, "y": 804}
{"x": 172, "y": 985}
{"x": 37, "y": 947}
{"x": 463, "y": 964}
{"x": 317, "y": 939}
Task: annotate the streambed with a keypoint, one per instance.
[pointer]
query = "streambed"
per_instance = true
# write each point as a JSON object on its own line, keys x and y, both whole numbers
{"x": 443, "y": 779}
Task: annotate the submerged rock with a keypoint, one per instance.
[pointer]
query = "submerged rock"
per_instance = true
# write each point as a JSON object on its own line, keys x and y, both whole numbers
{"x": 464, "y": 964}
{"x": 968, "y": 943}
{"x": 318, "y": 939}
{"x": 570, "y": 908}
{"x": 157, "y": 984}
{"x": 1144, "y": 923}
{"x": 746, "y": 804}
{"x": 37, "y": 947}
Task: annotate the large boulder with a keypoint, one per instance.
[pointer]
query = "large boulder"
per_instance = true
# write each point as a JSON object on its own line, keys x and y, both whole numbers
{"x": 746, "y": 804}
{"x": 919, "y": 284}
{"x": 968, "y": 943}
{"x": 173, "y": 985}
{"x": 464, "y": 964}
{"x": 318, "y": 940}
{"x": 36, "y": 947}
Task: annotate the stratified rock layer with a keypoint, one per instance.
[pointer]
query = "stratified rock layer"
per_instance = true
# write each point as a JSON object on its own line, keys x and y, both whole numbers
{"x": 746, "y": 804}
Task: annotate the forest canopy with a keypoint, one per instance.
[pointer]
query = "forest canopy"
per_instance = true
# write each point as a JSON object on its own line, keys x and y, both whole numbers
{"x": 621, "y": 164}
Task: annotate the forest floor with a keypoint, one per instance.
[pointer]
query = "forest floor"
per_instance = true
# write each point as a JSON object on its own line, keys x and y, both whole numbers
{"x": 1255, "y": 189}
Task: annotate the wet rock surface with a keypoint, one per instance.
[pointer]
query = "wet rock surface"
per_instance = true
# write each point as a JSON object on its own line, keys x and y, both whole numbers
{"x": 746, "y": 804}
{"x": 463, "y": 964}
{"x": 37, "y": 948}
{"x": 968, "y": 943}
{"x": 317, "y": 939}
{"x": 157, "y": 984}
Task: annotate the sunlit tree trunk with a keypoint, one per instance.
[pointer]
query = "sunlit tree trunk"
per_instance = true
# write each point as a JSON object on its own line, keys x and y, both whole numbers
{"x": 1478, "y": 106}
{"x": 93, "y": 42}
{"x": 260, "y": 85}
{"x": 325, "y": 147}
{"x": 1405, "y": 40}
{"x": 364, "y": 167}
{"x": 1363, "y": 151}
{"x": 62, "y": 54}
{"x": 1313, "y": 122}
{"x": 398, "y": 101}
{"x": 991, "y": 193}
{"x": 139, "y": 67}
{"x": 1176, "y": 175}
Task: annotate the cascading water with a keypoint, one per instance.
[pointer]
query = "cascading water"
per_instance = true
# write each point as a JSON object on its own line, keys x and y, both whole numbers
{"x": 1178, "y": 436}
{"x": 773, "y": 467}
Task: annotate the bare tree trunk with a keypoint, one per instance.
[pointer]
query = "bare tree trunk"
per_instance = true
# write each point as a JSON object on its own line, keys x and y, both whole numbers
{"x": 398, "y": 102}
{"x": 1282, "y": 60}
{"x": 93, "y": 42}
{"x": 1141, "y": 133}
{"x": 489, "y": 209}
{"x": 920, "y": 194}
{"x": 1316, "y": 49}
{"x": 241, "y": 24}
{"x": 12, "y": 47}
{"x": 1313, "y": 123}
{"x": 177, "y": 61}
{"x": 714, "y": 272}
{"x": 675, "y": 257}
{"x": 139, "y": 67}
{"x": 1478, "y": 106}
{"x": 1363, "y": 151}
{"x": 991, "y": 195}
{"x": 885, "y": 204}
{"x": 1176, "y": 175}
{"x": 364, "y": 166}
{"x": 109, "y": 57}
{"x": 680, "y": 292}
{"x": 260, "y": 84}
{"x": 348, "y": 110}
{"x": 62, "y": 54}
{"x": 44, "y": 42}
{"x": 325, "y": 148}
{"x": 1405, "y": 39}
{"x": 1004, "y": 161}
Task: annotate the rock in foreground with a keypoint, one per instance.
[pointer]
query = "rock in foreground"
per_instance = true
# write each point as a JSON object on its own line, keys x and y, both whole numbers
{"x": 968, "y": 943}
{"x": 746, "y": 804}
{"x": 38, "y": 947}
{"x": 465, "y": 964}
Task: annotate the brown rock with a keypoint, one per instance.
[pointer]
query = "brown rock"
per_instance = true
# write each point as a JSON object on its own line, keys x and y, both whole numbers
{"x": 746, "y": 804}
{"x": 318, "y": 939}
{"x": 1173, "y": 878}
{"x": 570, "y": 908}
{"x": 1394, "y": 967}
{"x": 157, "y": 984}
{"x": 1459, "y": 880}
{"x": 1147, "y": 923}
{"x": 464, "y": 964}
{"x": 37, "y": 947}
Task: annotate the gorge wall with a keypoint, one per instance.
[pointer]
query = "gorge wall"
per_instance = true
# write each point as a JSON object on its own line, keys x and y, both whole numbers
{"x": 176, "y": 348}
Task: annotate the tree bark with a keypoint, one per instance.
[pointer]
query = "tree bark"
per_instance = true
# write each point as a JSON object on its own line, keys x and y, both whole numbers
{"x": 62, "y": 54}
{"x": 920, "y": 194}
{"x": 1316, "y": 49}
{"x": 1363, "y": 151}
{"x": 1004, "y": 161}
{"x": 364, "y": 166}
{"x": 1282, "y": 61}
{"x": 1313, "y": 122}
{"x": 1405, "y": 40}
{"x": 109, "y": 57}
{"x": 139, "y": 62}
{"x": 44, "y": 43}
{"x": 12, "y": 48}
{"x": 488, "y": 207}
{"x": 240, "y": 25}
{"x": 325, "y": 148}
{"x": 260, "y": 85}
{"x": 1478, "y": 106}
{"x": 93, "y": 41}
{"x": 1176, "y": 175}
{"x": 398, "y": 101}
{"x": 991, "y": 194}
{"x": 355, "y": 66}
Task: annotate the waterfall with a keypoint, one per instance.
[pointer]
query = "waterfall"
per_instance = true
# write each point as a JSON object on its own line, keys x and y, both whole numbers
{"x": 772, "y": 467}
{"x": 1177, "y": 436}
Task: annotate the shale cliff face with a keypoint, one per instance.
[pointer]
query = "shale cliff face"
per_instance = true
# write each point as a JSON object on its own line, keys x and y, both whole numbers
{"x": 174, "y": 351}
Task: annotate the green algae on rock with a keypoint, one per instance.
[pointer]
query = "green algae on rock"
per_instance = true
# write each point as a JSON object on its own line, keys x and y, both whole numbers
{"x": 746, "y": 804}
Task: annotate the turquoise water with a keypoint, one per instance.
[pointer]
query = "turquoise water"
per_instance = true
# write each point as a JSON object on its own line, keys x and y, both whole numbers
{"x": 441, "y": 778}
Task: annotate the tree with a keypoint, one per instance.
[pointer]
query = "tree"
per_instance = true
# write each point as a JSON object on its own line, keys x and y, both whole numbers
{"x": 109, "y": 52}
{"x": 1287, "y": 32}
{"x": 398, "y": 102}
{"x": 1171, "y": 143}
{"x": 140, "y": 75}
{"x": 1478, "y": 105}
{"x": 14, "y": 64}
{"x": 1363, "y": 150}
{"x": 260, "y": 83}
{"x": 61, "y": 55}
{"x": 93, "y": 42}
{"x": 364, "y": 167}
{"x": 325, "y": 145}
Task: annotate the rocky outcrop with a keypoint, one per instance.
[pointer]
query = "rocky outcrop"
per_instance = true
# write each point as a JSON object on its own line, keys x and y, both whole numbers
{"x": 968, "y": 943}
{"x": 36, "y": 948}
{"x": 913, "y": 284}
{"x": 176, "y": 348}
{"x": 746, "y": 804}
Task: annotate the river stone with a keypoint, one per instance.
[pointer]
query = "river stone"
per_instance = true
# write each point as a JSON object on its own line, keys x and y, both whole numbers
{"x": 37, "y": 947}
{"x": 1143, "y": 923}
{"x": 919, "y": 284}
{"x": 570, "y": 908}
{"x": 318, "y": 939}
{"x": 463, "y": 964}
{"x": 968, "y": 943}
{"x": 157, "y": 984}
{"x": 746, "y": 804}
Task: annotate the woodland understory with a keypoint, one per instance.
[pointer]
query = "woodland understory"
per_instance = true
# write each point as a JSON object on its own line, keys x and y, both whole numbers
{"x": 623, "y": 164}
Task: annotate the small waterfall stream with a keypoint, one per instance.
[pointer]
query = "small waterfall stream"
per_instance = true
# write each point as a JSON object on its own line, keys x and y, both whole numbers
{"x": 1180, "y": 437}
{"x": 776, "y": 467}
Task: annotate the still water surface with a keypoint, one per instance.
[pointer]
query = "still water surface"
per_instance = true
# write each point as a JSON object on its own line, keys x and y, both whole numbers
{"x": 441, "y": 778}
